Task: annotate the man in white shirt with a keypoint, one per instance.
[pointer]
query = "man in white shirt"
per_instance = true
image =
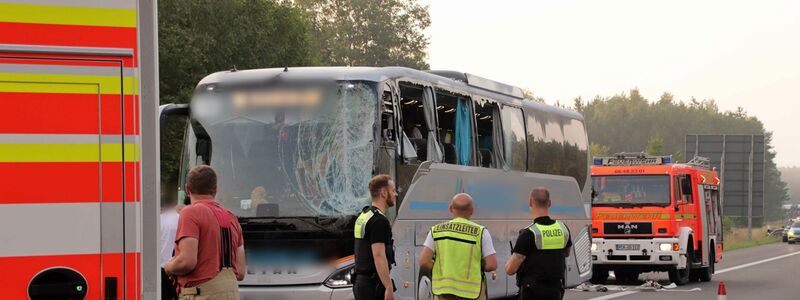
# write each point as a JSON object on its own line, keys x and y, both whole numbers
{"x": 457, "y": 271}
{"x": 169, "y": 226}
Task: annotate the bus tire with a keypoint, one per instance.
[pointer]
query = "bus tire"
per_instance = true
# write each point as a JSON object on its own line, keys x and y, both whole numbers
{"x": 599, "y": 275}
{"x": 424, "y": 285}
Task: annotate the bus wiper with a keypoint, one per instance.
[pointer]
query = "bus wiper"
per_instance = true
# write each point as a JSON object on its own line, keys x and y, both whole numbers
{"x": 313, "y": 221}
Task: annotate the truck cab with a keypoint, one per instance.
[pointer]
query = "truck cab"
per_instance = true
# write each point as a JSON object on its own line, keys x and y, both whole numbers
{"x": 650, "y": 214}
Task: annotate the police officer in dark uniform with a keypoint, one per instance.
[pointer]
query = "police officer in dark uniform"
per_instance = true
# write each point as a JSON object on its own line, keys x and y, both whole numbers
{"x": 539, "y": 256}
{"x": 374, "y": 247}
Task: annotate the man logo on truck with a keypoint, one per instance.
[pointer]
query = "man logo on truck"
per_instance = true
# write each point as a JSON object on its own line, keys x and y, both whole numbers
{"x": 627, "y": 228}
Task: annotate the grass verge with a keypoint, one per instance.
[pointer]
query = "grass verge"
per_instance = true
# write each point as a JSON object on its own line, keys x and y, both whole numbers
{"x": 756, "y": 241}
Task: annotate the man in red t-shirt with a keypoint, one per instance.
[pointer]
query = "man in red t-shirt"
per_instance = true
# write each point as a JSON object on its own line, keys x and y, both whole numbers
{"x": 209, "y": 253}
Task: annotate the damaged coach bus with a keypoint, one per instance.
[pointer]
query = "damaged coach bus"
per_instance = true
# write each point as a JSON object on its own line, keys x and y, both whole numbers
{"x": 294, "y": 149}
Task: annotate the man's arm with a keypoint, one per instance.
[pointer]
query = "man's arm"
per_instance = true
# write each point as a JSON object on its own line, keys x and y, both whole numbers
{"x": 426, "y": 258}
{"x": 513, "y": 264}
{"x": 241, "y": 263}
{"x": 382, "y": 264}
{"x": 186, "y": 261}
{"x": 490, "y": 263}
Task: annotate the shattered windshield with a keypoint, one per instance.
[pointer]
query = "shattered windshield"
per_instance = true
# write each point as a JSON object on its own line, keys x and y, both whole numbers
{"x": 287, "y": 152}
{"x": 631, "y": 189}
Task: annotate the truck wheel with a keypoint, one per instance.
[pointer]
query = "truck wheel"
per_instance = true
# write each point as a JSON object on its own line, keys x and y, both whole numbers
{"x": 626, "y": 276}
{"x": 681, "y": 276}
{"x": 599, "y": 275}
{"x": 424, "y": 286}
{"x": 707, "y": 272}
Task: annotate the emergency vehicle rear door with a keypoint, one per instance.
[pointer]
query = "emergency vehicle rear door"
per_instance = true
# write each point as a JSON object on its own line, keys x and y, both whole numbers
{"x": 64, "y": 154}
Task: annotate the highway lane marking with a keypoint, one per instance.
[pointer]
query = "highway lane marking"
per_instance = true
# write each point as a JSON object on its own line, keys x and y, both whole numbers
{"x": 755, "y": 263}
{"x": 612, "y": 296}
{"x": 626, "y": 293}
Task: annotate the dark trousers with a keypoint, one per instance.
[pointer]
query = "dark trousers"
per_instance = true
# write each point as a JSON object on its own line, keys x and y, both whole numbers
{"x": 167, "y": 290}
{"x": 368, "y": 288}
{"x": 531, "y": 291}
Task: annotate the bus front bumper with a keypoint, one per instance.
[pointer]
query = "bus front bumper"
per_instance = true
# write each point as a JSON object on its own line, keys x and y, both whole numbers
{"x": 655, "y": 251}
{"x": 310, "y": 292}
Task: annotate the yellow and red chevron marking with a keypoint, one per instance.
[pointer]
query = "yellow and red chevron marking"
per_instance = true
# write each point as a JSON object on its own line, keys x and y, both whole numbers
{"x": 69, "y": 143}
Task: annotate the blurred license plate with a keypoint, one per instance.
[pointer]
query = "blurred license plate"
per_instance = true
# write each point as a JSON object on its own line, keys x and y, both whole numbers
{"x": 626, "y": 247}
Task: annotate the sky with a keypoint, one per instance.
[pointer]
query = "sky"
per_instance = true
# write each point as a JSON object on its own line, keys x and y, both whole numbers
{"x": 739, "y": 53}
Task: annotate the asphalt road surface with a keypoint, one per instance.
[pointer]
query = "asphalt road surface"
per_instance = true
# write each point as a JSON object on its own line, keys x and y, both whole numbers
{"x": 769, "y": 272}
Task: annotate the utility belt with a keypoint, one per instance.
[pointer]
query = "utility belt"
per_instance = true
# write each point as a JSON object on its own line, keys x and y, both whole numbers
{"x": 543, "y": 282}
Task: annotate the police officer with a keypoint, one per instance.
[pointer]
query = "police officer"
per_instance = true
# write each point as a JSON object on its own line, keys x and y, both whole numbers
{"x": 459, "y": 266}
{"x": 374, "y": 252}
{"x": 539, "y": 256}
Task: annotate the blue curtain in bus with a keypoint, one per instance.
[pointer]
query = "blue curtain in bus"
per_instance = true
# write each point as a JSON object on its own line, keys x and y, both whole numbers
{"x": 463, "y": 132}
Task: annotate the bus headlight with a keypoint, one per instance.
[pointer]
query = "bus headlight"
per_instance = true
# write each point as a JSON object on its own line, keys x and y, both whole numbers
{"x": 342, "y": 278}
{"x": 665, "y": 246}
{"x": 594, "y": 247}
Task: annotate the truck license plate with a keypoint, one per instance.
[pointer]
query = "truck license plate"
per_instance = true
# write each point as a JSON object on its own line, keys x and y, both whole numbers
{"x": 627, "y": 247}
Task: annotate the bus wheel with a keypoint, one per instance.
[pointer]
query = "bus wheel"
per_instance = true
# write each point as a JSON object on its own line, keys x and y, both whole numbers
{"x": 707, "y": 272}
{"x": 424, "y": 286}
{"x": 599, "y": 275}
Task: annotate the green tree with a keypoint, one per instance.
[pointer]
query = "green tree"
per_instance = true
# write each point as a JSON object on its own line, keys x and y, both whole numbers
{"x": 655, "y": 146}
{"x": 369, "y": 33}
{"x": 199, "y": 37}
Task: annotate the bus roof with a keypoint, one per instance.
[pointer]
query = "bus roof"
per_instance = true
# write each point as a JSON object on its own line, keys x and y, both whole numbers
{"x": 378, "y": 74}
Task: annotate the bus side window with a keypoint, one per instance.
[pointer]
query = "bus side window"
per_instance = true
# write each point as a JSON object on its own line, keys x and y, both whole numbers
{"x": 414, "y": 124}
{"x": 455, "y": 127}
{"x": 535, "y": 132}
{"x": 387, "y": 118}
{"x": 576, "y": 150}
{"x": 490, "y": 138}
{"x": 514, "y": 142}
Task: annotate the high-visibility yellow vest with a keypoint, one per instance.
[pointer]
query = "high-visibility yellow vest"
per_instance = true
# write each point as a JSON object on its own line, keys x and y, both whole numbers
{"x": 457, "y": 268}
{"x": 550, "y": 237}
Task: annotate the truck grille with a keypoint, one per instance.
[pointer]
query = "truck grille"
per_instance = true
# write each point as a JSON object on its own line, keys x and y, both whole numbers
{"x": 627, "y": 228}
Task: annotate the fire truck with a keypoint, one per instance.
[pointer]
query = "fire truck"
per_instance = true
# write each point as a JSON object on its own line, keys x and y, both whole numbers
{"x": 78, "y": 149}
{"x": 650, "y": 214}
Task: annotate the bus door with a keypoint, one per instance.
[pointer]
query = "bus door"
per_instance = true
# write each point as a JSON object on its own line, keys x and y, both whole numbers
{"x": 68, "y": 176}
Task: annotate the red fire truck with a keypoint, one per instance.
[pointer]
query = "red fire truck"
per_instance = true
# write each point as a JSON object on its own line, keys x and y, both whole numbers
{"x": 78, "y": 149}
{"x": 649, "y": 214}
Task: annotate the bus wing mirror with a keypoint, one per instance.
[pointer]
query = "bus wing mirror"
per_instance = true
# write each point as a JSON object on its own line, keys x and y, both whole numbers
{"x": 164, "y": 112}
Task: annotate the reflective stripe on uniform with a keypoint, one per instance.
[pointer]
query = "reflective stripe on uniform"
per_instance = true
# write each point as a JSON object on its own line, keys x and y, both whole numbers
{"x": 361, "y": 223}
